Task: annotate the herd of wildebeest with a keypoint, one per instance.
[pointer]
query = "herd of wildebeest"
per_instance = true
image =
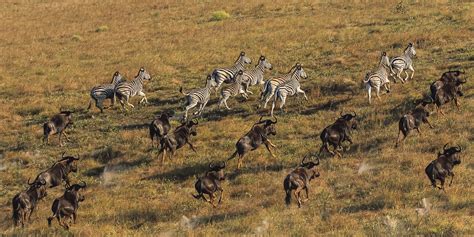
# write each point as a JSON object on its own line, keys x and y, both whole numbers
{"x": 448, "y": 88}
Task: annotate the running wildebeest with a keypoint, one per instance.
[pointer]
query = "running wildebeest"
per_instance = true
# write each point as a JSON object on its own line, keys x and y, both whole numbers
{"x": 337, "y": 133}
{"x": 210, "y": 183}
{"x": 178, "y": 139}
{"x": 413, "y": 120}
{"x": 159, "y": 127}
{"x": 257, "y": 136}
{"x": 24, "y": 203}
{"x": 57, "y": 125}
{"x": 298, "y": 180}
{"x": 65, "y": 207}
{"x": 447, "y": 89}
{"x": 443, "y": 166}
{"x": 59, "y": 171}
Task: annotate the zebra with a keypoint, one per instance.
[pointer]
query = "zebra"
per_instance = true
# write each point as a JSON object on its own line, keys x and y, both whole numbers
{"x": 289, "y": 88}
{"x": 233, "y": 90}
{"x": 197, "y": 96}
{"x": 404, "y": 62}
{"x": 254, "y": 76}
{"x": 270, "y": 85}
{"x": 221, "y": 75}
{"x": 125, "y": 90}
{"x": 105, "y": 91}
{"x": 378, "y": 78}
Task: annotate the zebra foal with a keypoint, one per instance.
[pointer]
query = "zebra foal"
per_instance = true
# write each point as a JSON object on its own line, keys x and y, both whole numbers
{"x": 197, "y": 96}
{"x": 378, "y": 78}
{"x": 234, "y": 89}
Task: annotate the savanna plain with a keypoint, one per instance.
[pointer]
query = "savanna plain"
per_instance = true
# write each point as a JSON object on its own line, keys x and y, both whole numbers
{"x": 54, "y": 52}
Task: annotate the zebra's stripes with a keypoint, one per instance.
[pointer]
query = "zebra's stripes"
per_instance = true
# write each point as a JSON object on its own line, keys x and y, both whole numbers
{"x": 233, "y": 90}
{"x": 125, "y": 90}
{"x": 197, "y": 96}
{"x": 254, "y": 76}
{"x": 289, "y": 88}
{"x": 270, "y": 85}
{"x": 403, "y": 63}
{"x": 222, "y": 75}
{"x": 378, "y": 78}
{"x": 105, "y": 91}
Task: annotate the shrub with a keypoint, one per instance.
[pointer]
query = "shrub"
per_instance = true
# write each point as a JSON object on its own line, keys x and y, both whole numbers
{"x": 102, "y": 28}
{"x": 219, "y": 15}
{"x": 76, "y": 38}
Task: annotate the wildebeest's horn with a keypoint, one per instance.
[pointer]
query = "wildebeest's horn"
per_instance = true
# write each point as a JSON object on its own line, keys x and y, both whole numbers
{"x": 317, "y": 162}
{"x": 355, "y": 114}
{"x": 276, "y": 120}
{"x": 78, "y": 158}
{"x": 29, "y": 182}
{"x": 83, "y": 184}
{"x": 462, "y": 81}
{"x": 444, "y": 147}
{"x": 304, "y": 158}
{"x": 211, "y": 165}
{"x": 62, "y": 156}
{"x": 222, "y": 166}
{"x": 458, "y": 148}
{"x": 341, "y": 114}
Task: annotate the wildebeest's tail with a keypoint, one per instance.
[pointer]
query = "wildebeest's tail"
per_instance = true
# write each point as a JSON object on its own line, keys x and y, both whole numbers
{"x": 16, "y": 212}
{"x": 55, "y": 208}
{"x": 430, "y": 172}
{"x": 403, "y": 125}
{"x": 232, "y": 156}
{"x": 47, "y": 129}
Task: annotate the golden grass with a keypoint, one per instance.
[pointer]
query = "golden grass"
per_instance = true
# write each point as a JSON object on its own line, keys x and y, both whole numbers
{"x": 54, "y": 52}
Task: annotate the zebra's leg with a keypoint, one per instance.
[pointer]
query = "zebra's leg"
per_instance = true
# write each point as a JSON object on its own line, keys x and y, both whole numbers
{"x": 203, "y": 106}
{"x": 268, "y": 99}
{"x": 99, "y": 105}
{"x": 144, "y": 99}
{"x": 90, "y": 105}
{"x": 369, "y": 93}
{"x": 302, "y": 92}
{"x": 273, "y": 106}
{"x": 377, "y": 89}
{"x": 283, "y": 101}
{"x": 399, "y": 72}
{"x": 406, "y": 77}
{"x": 127, "y": 98}
{"x": 267, "y": 145}
{"x": 412, "y": 71}
{"x": 226, "y": 106}
{"x": 190, "y": 106}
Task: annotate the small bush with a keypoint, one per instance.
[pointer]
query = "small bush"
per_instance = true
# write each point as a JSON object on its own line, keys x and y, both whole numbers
{"x": 76, "y": 38}
{"x": 102, "y": 28}
{"x": 219, "y": 15}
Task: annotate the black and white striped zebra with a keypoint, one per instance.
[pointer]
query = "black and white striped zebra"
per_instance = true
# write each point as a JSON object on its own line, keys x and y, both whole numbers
{"x": 106, "y": 91}
{"x": 403, "y": 63}
{"x": 125, "y": 90}
{"x": 254, "y": 76}
{"x": 197, "y": 97}
{"x": 226, "y": 75}
{"x": 270, "y": 85}
{"x": 378, "y": 78}
{"x": 289, "y": 88}
{"x": 234, "y": 89}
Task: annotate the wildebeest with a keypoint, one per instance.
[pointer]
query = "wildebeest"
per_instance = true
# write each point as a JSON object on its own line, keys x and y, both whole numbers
{"x": 413, "y": 120}
{"x": 447, "y": 89}
{"x": 59, "y": 171}
{"x": 25, "y": 202}
{"x": 178, "y": 139}
{"x": 257, "y": 136}
{"x": 443, "y": 166}
{"x": 210, "y": 183}
{"x": 298, "y": 180}
{"x": 337, "y": 133}
{"x": 65, "y": 207}
{"x": 159, "y": 127}
{"x": 57, "y": 124}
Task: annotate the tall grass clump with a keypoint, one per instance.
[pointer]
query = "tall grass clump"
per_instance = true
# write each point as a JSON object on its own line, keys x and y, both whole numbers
{"x": 220, "y": 15}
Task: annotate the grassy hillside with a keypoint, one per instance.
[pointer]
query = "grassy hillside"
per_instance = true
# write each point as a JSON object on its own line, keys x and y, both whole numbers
{"x": 53, "y": 53}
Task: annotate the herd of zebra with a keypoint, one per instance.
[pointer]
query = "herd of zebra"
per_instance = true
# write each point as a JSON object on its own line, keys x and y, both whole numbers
{"x": 239, "y": 80}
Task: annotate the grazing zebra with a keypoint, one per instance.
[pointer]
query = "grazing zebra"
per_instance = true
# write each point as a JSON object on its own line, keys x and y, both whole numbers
{"x": 125, "y": 90}
{"x": 378, "y": 78}
{"x": 254, "y": 76}
{"x": 197, "y": 96}
{"x": 221, "y": 75}
{"x": 404, "y": 62}
{"x": 233, "y": 90}
{"x": 270, "y": 85}
{"x": 105, "y": 91}
{"x": 289, "y": 88}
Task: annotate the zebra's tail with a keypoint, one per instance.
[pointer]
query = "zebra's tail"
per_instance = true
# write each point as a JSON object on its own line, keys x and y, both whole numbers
{"x": 264, "y": 92}
{"x": 232, "y": 156}
{"x": 89, "y": 106}
{"x": 181, "y": 91}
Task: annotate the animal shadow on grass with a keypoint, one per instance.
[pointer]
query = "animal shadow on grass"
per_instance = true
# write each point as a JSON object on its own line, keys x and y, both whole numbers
{"x": 330, "y": 105}
{"x": 398, "y": 111}
{"x": 133, "y": 126}
{"x": 176, "y": 101}
{"x": 120, "y": 166}
{"x": 233, "y": 174}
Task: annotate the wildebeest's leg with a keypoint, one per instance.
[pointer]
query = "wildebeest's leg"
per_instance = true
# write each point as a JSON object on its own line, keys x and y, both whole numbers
{"x": 222, "y": 194}
{"x": 60, "y": 135}
{"x": 74, "y": 217}
{"x": 399, "y": 138}
{"x": 428, "y": 122}
{"x": 239, "y": 160}
{"x": 211, "y": 199}
{"x": 191, "y": 145}
{"x": 297, "y": 195}
{"x": 267, "y": 145}
{"x": 307, "y": 193}
{"x": 418, "y": 129}
{"x": 442, "y": 178}
{"x": 163, "y": 156}
{"x": 65, "y": 136}
{"x": 456, "y": 102}
{"x": 452, "y": 177}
